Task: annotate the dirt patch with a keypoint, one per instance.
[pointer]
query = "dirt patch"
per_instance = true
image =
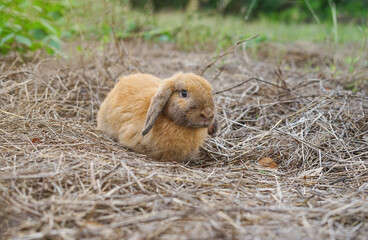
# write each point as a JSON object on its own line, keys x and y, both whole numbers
{"x": 60, "y": 178}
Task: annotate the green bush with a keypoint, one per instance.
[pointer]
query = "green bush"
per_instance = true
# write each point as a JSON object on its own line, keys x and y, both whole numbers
{"x": 28, "y": 25}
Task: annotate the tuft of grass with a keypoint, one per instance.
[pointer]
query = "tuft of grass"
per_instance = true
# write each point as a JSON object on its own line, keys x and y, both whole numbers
{"x": 334, "y": 20}
{"x": 237, "y": 28}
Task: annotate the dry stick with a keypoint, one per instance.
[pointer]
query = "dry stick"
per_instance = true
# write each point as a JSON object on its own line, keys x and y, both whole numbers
{"x": 16, "y": 72}
{"x": 11, "y": 114}
{"x": 113, "y": 170}
{"x": 93, "y": 178}
{"x": 117, "y": 44}
{"x": 29, "y": 176}
{"x": 339, "y": 180}
{"x": 149, "y": 217}
{"x": 238, "y": 85}
{"x": 227, "y": 51}
{"x": 218, "y": 74}
{"x": 260, "y": 80}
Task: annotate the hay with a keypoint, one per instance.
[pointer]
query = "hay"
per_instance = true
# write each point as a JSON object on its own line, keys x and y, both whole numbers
{"x": 61, "y": 179}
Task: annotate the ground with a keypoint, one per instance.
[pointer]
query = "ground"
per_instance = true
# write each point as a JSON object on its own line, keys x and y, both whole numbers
{"x": 62, "y": 179}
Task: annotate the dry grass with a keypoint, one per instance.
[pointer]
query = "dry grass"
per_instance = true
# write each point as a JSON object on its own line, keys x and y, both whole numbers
{"x": 61, "y": 179}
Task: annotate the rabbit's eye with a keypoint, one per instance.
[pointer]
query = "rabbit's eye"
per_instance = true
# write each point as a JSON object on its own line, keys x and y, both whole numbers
{"x": 183, "y": 93}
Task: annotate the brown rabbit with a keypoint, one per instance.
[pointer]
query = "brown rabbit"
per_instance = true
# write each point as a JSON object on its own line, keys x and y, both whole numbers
{"x": 166, "y": 119}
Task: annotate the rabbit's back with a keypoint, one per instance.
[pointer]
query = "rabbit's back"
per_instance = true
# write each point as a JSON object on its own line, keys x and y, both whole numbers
{"x": 123, "y": 111}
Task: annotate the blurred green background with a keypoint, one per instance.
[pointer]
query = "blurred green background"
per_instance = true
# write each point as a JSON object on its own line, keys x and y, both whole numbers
{"x": 30, "y": 25}
{"x": 280, "y": 10}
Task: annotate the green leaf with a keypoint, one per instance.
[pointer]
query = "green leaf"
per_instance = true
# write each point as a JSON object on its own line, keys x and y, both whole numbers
{"x": 6, "y": 38}
{"x": 38, "y": 33}
{"x": 55, "y": 15}
{"x": 23, "y": 40}
{"x": 52, "y": 42}
{"x": 15, "y": 27}
{"x": 132, "y": 27}
{"x": 48, "y": 26}
{"x": 55, "y": 43}
{"x": 37, "y": 8}
{"x": 50, "y": 50}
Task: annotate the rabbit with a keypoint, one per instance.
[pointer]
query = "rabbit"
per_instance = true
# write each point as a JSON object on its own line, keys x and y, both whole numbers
{"x": 168, "y": 120}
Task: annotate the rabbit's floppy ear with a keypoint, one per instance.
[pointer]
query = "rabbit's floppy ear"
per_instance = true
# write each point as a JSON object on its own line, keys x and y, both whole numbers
{"x": 158, "y": 102}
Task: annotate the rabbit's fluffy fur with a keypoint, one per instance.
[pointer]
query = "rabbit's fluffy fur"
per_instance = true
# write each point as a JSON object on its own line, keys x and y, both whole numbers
{"x": 166, "y": 119}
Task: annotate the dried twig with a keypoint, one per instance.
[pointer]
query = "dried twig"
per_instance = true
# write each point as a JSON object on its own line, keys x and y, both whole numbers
{"x": 226, "y": 52}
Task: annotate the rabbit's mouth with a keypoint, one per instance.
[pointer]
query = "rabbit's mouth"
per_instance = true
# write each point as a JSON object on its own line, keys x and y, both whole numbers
{"x": 202, "y": 124}
{"x": 205, "y": 123}
{"x": 184, "y": 121}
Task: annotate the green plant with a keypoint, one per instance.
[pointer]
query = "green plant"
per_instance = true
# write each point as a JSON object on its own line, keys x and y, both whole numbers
{"x": 28, "y": 25}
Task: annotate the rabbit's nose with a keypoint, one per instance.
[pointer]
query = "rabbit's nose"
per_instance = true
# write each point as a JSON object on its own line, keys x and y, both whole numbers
{"x": 207, "y": 113}
{"x": 203, "y": 116}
